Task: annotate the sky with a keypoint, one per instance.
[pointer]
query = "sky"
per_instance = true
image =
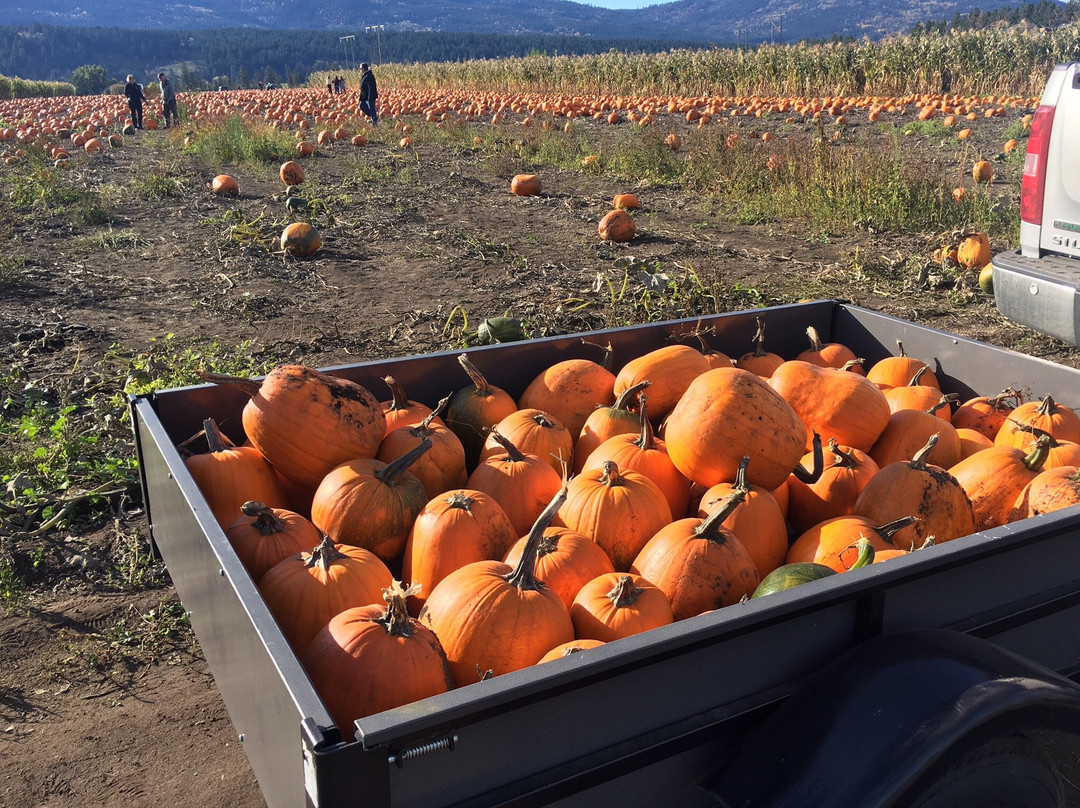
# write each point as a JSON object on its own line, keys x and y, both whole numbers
{"x": 623, "y": 3}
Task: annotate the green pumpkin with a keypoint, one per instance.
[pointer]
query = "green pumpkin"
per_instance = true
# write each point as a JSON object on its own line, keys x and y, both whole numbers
{"x": 296, "y": 204}
{"x": 500, "y": 329}
{"x": 789, "y": 575}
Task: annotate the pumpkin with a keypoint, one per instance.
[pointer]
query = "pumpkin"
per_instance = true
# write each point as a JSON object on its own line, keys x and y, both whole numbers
{"x": 617, "y": 605}
{"x": 521, "y": 483}
{"x": 625, "y": 201}
{"x": 306, "y": 422}
{"x": 262, "y": 536}
{"x": 224, "y": 185}
{"x": 491, "y": 617}
{"x": 358, "y": 140}
{"x": 474, "y": 410}
{"x": 972, "y": 441}
{"x": 974, "y": 251}
{"x": 908, "y": 431}
{"x": 1050, "y": 490}
{"x": 647, "y": 454}
{"x": 760, "y": 361}
{"x": 995, "y": 478}
{"x": 399, "y": 411}
{"x": 291, "y": 172}
{"x": 228, "y": 476}
{"x": 698, "y": 563}
{"x": 617, "y": 225}
{"x": 897, "y": 371}
{"x": 534, "y": 432}
{"x": 787, "y": 576}
{"x": 1060, "y": 421}
{"x": 832, "y": 403}
{"x": 525, "y": 185}
{"x": 920, "y": 489}
{"x": 565, "y": 561}
{"x": 569, "y": 648}
{"x": 918, "y": 396}
{"x": 304, "y": 148}
{"x": 986, "y": 414}
{"x": 846, "y": 472}
{"x": 982, "y": 171}
{"x": 669, "y": 371}
{"x": 306, "y": 590}
{"x": 373, "y": 658}
{"x": 570, "y": 390}
{"x": 300, "y": 239}
{"x": 439, "y": 469}
{"x": 371, "y": 504}
{"x": 726, "y": 413}
{"x": 757, "y": 520}
{"x": 606, "y": 422}
{"x": 829, "y": 354}
{"x": 618, "y": 509}
{"x": 836, "y": 542}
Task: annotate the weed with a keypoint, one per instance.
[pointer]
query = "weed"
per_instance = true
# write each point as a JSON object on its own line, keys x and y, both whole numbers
{"x": 13, "y": 271}
{"x": 236, "y": 142}
{"x": 40, "y": 187}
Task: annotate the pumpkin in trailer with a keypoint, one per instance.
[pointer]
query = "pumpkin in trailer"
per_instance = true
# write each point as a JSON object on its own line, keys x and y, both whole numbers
{"x": 1047, "y": 415}
{"x": 899, "y": 370}
{"x": 616, "y": 605}
{"x": 453, "y": 529}
{"x": 371, "y": 504}
{"x": 571, "y": 390}
{"x": 1051, "y": 490}
{"x": 835, "y": 542}
{"x": 224, "y": 185}
{"x": 909, "y": 430}
{"x": 263, "y": 536}
{"x": 229, "y": 475}
{"x": 760, "y": 361}
{"x": 617, "y": 225}
{"x": 607, "y": 422}
{"x": 918, "y": 396}
{"x": 995, "y": 478}
{"x": 399, "y": 410}
{"x": 474, "y": 410}
{"x": 373, "y": 658}
{"x": 565, "y": 561}
{"x": 698, "y": 563}
{"x": 439, "y": 469}
{"x": 306, "y": 590}
{"x": 618, "y": 509}
{"x": 525, "y": 185}
{"x": 669, "y": 371}
{"x": 845, "y": 473}
{"x": 569, "y": 649}
{"x": 534, "y": 432}
{"x": 491, "y": 617}
{"x": 291, "y": 172}
{"x": 306, "y": 422}
{"x": 830, "y": 354}
{"x": 972, "y": 441}
{"x": 787, "y": 576}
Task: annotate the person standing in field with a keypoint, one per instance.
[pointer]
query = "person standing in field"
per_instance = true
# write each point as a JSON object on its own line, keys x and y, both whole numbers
{"x": 135, "y": 99}
{"x": 168, "y": 100}
{"x": 369, "y": 93}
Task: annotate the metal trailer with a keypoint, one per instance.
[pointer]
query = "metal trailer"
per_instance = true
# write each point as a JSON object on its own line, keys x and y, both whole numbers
{"x": 891, "y": 674}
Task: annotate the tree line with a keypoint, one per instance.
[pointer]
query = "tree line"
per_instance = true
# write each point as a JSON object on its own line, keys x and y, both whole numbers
{"x": 1044, "y": 14}
{"x": 232, "y": 57}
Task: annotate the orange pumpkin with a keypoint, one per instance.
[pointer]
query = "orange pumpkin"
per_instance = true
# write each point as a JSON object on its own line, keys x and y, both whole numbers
{"x": 534, "y": 432}
{"x": 625, "y": 201}
{"x": 525, "y": 185}
{"x": 617, "y": 605}
{"x": 570, "y": 390}
{"x": 262, "y": 536}
{"x": 841, "y": 543}
{"x": 994, "y": 478}
{"x": 565, "y": 561}
{"x": 300, "y": 239}
{"x": 291, "y": 172}
{"x": 607, "y": 422}
{"x": 669, "y": 371}
{"x": 521, "y": 483}
{"x": 373, "y": 658}
{"x": 399, "y": 411}
{"x": 908, "y": 431}
{"x": 439, "y": 469}
{"x": 492, "y": 618}
{"x": 972, "y": 441}
{"x": 1047, "y": 415}
{"x": 1051, "y": 490}
{"x": 617, "y": 225}
{"x": 760, "y": 361}
{"x": 224, "y": 185}
{"x": 974, "y": 251}
{"x": 569, "y": 648}
{"x": 829, "y": 354}
{"x": 986, "y": 414}
{"x": 897, "y": 371}
{"x": 845, "y": 473}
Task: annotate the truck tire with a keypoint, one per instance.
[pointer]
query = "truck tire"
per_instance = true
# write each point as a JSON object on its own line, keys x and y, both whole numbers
{"x": 1011, "y": 772}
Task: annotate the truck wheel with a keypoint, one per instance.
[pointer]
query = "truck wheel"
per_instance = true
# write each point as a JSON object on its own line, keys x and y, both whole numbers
{"x": 1011, "y": 772}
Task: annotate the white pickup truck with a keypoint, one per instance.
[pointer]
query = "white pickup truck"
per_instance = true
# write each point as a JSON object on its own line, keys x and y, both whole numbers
{"x": 1039, "y": 284}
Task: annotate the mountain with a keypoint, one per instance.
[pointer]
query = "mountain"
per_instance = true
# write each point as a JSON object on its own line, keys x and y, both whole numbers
{"x": 706, "y": 21}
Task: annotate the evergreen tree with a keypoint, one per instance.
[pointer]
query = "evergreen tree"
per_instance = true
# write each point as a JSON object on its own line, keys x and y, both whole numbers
{"x": 89, "y": 79}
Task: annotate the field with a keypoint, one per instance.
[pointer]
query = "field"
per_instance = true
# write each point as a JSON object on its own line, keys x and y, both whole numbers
{"x": 123, "y": 273}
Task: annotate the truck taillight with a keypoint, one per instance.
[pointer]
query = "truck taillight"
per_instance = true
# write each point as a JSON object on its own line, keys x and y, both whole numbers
{"x": 1033, "y": 185}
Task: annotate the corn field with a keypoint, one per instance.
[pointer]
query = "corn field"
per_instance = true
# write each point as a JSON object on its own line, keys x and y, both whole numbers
{"x": 1014, "y": 61}
{"x": 22, "y": 88}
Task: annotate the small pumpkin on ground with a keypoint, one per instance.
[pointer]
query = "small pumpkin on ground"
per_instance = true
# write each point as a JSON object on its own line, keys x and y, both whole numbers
{"x": 300, "y": 239}
{"x": 224, "y": 185}
{"x": 617, "y": 225}
{"x": 525, "y": 185}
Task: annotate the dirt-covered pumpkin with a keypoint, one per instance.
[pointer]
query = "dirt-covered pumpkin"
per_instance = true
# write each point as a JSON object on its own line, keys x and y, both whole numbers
{"x": 617, "y": 225}
{"x": 300, "y": 239}
{"x": 291, "y": 172}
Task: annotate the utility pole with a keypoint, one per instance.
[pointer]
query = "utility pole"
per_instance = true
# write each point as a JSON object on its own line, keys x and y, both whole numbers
{"x": 349, "y": 44}
{"x": 377, "y": 41}
{"x": 776, "y": 30}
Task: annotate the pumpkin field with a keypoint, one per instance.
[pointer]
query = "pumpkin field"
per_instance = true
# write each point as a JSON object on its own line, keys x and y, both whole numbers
{"x": 279, "y": 228}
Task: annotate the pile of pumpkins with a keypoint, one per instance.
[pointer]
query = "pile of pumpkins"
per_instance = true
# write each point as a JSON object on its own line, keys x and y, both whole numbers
{"x": 407, "y": 548}
{"x": 971, "y": 251}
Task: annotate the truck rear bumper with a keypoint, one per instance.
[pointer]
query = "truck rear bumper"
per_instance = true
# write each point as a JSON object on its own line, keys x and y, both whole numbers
{"x": 1041, "y": 293}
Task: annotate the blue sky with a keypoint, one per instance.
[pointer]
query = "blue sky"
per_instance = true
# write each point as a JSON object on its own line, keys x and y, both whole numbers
{"x": 623, "y": 3}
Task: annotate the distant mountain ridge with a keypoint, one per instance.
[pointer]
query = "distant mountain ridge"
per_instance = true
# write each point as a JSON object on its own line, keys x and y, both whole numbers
{"x": 707, "y": 21}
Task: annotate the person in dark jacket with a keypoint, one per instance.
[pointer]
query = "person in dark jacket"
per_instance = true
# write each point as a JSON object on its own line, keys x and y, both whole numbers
{"x": 168, "y": 101}
{"x": 369, "y": 93}
{"x": 135, "y": 98}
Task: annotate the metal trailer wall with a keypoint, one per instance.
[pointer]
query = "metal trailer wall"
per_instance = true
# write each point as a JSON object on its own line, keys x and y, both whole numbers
{"x": 645, "y": 717}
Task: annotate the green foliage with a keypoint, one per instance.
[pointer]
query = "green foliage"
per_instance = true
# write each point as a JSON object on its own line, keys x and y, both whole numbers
{"x": 89, "y": 79}
{"x": 236, "y": 142}
{"x": 21, "y": 88}
{"x": 37, "y": 186}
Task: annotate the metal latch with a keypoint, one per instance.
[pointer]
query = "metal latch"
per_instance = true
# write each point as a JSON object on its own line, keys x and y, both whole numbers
{"x": 423, "y": 748}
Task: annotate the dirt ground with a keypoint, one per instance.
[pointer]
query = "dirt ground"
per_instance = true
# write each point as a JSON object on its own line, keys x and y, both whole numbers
{"x": 103, "y": 701}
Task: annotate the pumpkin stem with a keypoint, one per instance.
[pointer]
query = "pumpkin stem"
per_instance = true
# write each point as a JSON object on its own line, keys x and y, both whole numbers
{"x": 523, "y": 575}
{"x": 945, "y": 401}
{"x": 324, "y": 555}
{"x": 919, "y": 460}
{"x": 396, "y": 618}
{"x": 423, "y": 428}
{"x": 900, "y": 347}
{"x": 841, "y": 458}
{"x": 740, "y": 475}
{"x": 814, "y": 474}
{"x": 1048, "y": 406}
{"x": 249, "y": 386}
{"x": 1035, "y": 459}
{"x": 890, "y": 529}
{"x": 399, "y": 401}
{"x": 711, "y": 525}
{"x": 628, "y": 395}
{"x": 851, "y": 364}
{"x": 477, "y": 378}
{"x": 815, "y": 338}
{"x": 998, "y": 402}
{"x": 266, "y": 521}
{"x": 625, "y": 593}
{"x": 513, "y": 453}
{"x": 461, "y": 501}
{"x": 609, "y": 352}
{"x": 759, "y": 339}
{"x": 647, "y": 439}
{"x": 215, "y": 438}
{"x": 611, "y": 476}
{"x": 388, "y": 473}
{"x": 917, "y": 378}
{"x": 866, "y": 553}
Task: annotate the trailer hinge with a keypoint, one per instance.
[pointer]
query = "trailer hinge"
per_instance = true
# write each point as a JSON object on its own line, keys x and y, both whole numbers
{"x": 426, "y": 747}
